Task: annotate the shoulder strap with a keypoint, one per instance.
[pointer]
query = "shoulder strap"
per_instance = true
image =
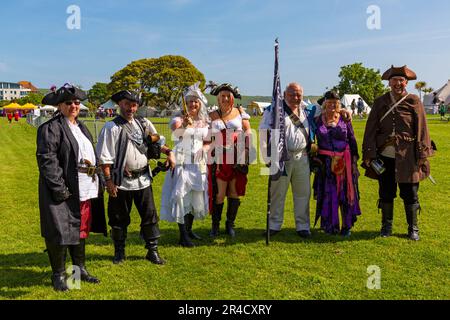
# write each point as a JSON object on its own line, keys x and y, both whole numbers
{"x": 298, "y": 123}
{"x": 219, "y": 112}
{"x": 393, "y": 107}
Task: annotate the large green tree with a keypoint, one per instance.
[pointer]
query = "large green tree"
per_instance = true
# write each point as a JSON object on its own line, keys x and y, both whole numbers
{"x": 33, "y": 98}
{"x": 357, "y": 79}
{"x": 98, "y": 94}
{"x": 160, "y": 80}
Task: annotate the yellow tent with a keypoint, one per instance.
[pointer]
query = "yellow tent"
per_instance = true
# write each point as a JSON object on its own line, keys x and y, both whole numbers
{"x": 28, "y": 106}
{"x": 12, "y": 106}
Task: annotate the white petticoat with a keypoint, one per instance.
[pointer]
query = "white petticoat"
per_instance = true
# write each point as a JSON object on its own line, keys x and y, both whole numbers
{"x": 186, "y": 191}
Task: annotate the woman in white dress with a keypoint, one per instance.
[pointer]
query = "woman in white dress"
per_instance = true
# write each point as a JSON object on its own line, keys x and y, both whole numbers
{"x": 185, "y": 189}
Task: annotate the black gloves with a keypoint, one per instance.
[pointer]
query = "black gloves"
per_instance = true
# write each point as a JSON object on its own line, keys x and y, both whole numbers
{"x": 60, "y": 196}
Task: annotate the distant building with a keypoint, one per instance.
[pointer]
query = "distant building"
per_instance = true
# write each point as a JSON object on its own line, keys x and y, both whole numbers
{"x": 28, "y": 85}
{"x": 12, "y": 91}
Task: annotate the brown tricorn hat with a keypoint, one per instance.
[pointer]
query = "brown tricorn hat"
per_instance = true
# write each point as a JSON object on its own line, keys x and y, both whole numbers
{"x": 404, "y": 71}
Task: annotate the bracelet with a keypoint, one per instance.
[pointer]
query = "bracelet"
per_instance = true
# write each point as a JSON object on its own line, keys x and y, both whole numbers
{"x": 168, "y": 151}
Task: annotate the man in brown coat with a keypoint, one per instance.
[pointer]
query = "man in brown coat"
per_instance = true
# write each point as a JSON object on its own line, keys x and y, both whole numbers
{"x": 396, "y": 133}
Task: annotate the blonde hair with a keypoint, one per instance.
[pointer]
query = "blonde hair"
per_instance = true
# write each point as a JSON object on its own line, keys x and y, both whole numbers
{"x": 337, "y": 108}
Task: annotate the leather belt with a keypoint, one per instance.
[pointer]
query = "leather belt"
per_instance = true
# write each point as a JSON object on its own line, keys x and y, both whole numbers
{"x": 90, "y": 171}
{"x": 134, "y": 174}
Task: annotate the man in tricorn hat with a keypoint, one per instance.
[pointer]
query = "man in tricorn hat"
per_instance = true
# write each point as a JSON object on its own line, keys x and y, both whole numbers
{"x": 397, "y": 134}
{"x": 123, "y": 147}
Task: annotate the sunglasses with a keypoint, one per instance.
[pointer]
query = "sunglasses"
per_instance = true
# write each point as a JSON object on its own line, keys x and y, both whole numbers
{"x": 69, "y": 103}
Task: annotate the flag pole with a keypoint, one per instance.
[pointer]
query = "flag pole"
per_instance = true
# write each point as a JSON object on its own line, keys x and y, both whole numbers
{"x": 269, "y": 200}
{"x": 269, "y": 145}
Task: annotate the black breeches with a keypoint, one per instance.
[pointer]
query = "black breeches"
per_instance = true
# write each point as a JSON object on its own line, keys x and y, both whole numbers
{"x": 119, "y": 208}
{"x": 388, "y": 185}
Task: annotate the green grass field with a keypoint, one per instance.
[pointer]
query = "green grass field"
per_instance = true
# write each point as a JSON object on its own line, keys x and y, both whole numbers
{"x": 323, "y": 267}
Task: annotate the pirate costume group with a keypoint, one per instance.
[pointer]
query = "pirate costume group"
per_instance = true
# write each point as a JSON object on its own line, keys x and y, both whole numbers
{"x": 203, "y": 172}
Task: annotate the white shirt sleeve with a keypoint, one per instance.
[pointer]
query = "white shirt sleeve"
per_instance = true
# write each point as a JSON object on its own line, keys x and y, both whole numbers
{"x": 106, "y": 145}
{"x": 150, "y": 127}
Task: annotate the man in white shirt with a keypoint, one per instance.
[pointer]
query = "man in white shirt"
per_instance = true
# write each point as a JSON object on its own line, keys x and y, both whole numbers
{"x": 122, "y": 148}
{"x": 297, "y": 170}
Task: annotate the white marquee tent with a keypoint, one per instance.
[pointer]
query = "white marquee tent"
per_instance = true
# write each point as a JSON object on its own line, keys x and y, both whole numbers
{"x": 443, "y": 94}
{"x": 347, "y": 99}
{"x": 109, "y": 105}
{"x": 48, "y": 108}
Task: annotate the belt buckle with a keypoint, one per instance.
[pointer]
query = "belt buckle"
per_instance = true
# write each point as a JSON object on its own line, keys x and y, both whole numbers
{"x": 91, "y": 171}
{"x": 135, "y": 174}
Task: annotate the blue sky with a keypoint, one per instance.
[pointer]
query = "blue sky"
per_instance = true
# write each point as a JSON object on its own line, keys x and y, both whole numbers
{"x": 229, "y": 41}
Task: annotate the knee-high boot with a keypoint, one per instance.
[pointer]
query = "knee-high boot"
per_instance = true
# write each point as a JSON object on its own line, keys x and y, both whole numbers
{"x": 119, "y": 235}
{"x": 150, "y": 234}
{"x": 57, "y": 256}
{"x": 216, "y": 217}
{"x": 232, "y": 209}
{"x": 185, "y": 241}
{"x": 412, "y": 211}
{"x": 387, "y": 217}
{"x": 188, "y": 221}
{"x": 78, "y": 254}
{"x": 152, "y": 253}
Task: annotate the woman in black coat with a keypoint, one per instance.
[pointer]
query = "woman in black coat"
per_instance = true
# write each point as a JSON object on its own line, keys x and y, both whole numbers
{"x": 68, "y": 181}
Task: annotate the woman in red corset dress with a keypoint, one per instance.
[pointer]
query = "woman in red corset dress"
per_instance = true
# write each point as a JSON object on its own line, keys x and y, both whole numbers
{"x": 228, "y": 173}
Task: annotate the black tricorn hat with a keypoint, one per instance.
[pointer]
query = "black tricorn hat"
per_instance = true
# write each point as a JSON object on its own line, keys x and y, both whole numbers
{"x": 328, "y": 96}
{"x": 126, "y": 94}
{"x": 226, "y": 86}
{"x": 65, "y": 93}
{"x": 404, "y": 71}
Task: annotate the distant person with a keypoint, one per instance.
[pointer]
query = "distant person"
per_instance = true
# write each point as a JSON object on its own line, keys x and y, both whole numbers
{"x": 360, "y": 108}
{"x": 10, "y": 116}
{"x": 68, "y": 185}
{"x": 397, "y": 134}
{"x": 353, "y": 107}
{"x": 442, "y": 110}
{"x": 16, "y": 116}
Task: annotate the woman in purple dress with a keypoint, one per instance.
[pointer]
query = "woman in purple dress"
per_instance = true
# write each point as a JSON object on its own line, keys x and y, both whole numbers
{"x": 336, "y": 179}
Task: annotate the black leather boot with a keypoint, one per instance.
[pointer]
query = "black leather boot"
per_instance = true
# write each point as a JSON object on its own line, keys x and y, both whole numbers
{"x": 412, "y": 211}
{"x": 78, "y": 254}
{"x": 232, "y": 209}
{"x": 216, "y": 217}
{"x": 185, "y": 241}
{"x": 57, "y": 256}
{"x": 387, "y": 217}
{"x": 152, "y": 254}
{"x": 188, "y": 221}
{"x": 119, "y": 236}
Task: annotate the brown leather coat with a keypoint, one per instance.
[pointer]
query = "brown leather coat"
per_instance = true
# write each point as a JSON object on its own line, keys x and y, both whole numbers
{"x": 411, "y": 140}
